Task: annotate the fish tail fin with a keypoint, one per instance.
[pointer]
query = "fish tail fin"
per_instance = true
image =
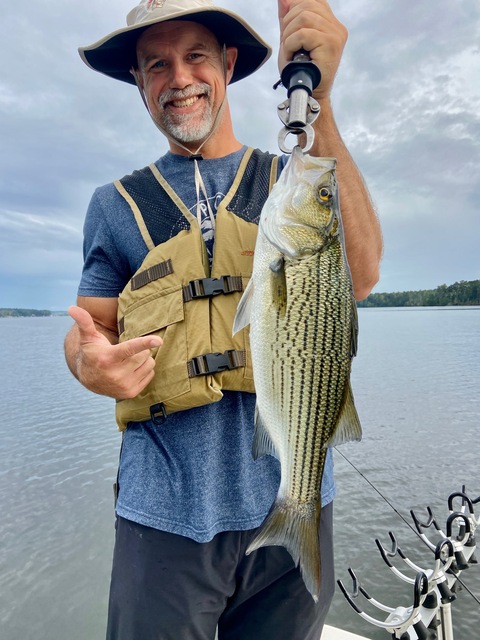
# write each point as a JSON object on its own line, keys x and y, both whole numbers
{"x": 348, "y": 426}
{"x": 295, "y": 527}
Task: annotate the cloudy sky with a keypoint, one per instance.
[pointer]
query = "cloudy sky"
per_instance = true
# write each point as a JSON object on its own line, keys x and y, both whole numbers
{"x": 407, "y": 101}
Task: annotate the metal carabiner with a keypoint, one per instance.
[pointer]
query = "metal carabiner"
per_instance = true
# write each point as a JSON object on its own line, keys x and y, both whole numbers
{"x": 292, "y": 124}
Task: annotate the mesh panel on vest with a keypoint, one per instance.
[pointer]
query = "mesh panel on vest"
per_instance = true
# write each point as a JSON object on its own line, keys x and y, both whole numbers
{"x": 247, "y": 203}
{"x": 163, "y": 218}
{"x": 161, "y": 215}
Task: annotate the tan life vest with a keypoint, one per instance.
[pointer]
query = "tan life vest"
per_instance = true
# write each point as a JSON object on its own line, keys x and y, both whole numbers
{"x": 176, "y": 296}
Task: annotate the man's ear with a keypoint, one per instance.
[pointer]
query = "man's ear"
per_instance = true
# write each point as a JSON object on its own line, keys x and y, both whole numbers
{"x": 231, "y": 54}
{"x": 138, "y": 77}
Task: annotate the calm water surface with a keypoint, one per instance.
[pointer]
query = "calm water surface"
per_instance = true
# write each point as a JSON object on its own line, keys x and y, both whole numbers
{"x": 416, "y": 382}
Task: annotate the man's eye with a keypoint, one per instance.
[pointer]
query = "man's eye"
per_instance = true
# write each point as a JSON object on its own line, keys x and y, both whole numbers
{"x": 159, "y": 64}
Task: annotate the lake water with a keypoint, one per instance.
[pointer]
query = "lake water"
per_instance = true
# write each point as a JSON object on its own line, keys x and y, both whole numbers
{"x": 416, "y": 381}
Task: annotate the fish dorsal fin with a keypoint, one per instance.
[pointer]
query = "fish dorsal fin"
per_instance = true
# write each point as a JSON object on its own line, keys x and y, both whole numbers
{"x": 348, "y": 426}
{"x": 262, "y": 443}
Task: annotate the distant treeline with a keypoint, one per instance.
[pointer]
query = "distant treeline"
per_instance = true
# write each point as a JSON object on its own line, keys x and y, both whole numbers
{"x": 24, "y": 313}
{"x": 460, "y": 293}
{"x": 463, "y": 293}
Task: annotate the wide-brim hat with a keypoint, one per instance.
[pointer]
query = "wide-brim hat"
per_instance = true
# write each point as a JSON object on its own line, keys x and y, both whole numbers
{"x": 115, "y": 54}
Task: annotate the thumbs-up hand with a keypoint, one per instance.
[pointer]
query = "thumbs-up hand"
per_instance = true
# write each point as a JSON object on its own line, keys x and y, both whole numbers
{"x": 117, "y": 370}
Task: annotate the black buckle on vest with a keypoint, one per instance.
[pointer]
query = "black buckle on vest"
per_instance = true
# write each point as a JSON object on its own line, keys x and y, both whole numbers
{"x": 215, "y": 362}
{"x": 207, "y": 287}
{"x": 158, "y": 415}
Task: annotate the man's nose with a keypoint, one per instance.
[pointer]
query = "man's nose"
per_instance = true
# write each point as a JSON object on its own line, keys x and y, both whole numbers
{"x": 180, "y": 74}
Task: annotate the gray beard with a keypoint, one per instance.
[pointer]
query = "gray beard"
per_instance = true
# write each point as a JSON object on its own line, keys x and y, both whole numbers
{"x": 183, "y": 127}
{"x": 182, "y": 130}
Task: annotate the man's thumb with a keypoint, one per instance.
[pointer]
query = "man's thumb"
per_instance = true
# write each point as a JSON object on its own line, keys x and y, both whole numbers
{"x": 84, "y": 322}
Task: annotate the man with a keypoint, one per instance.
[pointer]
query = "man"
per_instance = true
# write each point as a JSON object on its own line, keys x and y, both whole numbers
{"x": 190, "y": 496}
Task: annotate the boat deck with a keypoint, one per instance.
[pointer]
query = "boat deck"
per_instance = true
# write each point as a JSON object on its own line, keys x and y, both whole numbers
{"x": 332, "y": 633}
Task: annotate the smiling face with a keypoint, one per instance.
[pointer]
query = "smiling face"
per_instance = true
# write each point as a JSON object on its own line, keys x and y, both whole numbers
{"x": 181, "y": 71}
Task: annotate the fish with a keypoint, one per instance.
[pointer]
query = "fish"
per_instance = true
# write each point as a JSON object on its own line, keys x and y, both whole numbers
{"x": 301, "y": 309}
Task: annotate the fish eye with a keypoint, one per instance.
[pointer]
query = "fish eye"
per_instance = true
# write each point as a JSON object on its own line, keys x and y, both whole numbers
{"x": 325, "y": 194}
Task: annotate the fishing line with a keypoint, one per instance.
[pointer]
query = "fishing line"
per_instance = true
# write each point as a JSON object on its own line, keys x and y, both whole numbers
{"x": 385, "y": 499}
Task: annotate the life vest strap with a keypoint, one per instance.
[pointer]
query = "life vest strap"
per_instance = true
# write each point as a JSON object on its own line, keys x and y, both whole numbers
{"x": 155, "y": 272}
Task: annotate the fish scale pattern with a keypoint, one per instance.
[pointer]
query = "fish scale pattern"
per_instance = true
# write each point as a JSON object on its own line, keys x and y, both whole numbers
{"x": 319, "y": 324}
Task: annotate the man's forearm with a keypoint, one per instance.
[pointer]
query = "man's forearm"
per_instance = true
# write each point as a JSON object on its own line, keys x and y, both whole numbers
{"x": 363, "y": 238}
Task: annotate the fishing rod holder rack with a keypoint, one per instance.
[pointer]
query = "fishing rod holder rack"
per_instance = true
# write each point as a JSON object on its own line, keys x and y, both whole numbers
{"x": 434, "y": 589}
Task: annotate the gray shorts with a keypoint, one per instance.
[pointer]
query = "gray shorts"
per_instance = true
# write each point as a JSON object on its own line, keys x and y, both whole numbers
{"x": 167, "y": 587}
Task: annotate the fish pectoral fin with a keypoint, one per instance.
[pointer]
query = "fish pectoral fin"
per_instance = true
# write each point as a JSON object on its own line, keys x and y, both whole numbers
{"x": 294, "y": 526}
{"x": 262, "y": 443}
{"x": 244, "y": 309}
{"x": 348, "y": 426}
{"x": 279, "y": 284}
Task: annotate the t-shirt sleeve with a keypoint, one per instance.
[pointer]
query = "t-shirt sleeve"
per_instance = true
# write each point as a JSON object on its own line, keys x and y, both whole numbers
{"x": 105, "y": 271}
{"x": 282, "y": 162}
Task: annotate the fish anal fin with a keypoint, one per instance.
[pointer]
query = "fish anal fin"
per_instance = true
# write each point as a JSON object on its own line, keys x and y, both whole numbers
{"x": 348, "y": 426}
{"x": 294, "y": 526}
{"x": 244, "y": 309}
{"x": 262, "y": 443}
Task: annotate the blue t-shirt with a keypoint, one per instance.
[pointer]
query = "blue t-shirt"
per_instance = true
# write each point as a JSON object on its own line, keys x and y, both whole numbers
{"x": 195, "y": 474}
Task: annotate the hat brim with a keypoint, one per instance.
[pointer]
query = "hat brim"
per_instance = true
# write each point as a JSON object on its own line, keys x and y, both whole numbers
{"x": 116, "y": 54}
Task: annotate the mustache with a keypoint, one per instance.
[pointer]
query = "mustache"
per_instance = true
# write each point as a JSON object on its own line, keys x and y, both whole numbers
{"x": 183, "y": 94}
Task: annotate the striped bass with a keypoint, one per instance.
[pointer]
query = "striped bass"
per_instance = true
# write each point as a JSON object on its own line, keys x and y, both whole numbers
{"x": 303, "y": 335}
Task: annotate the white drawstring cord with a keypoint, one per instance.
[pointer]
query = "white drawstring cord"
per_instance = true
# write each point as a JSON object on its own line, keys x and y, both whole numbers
{"x": 200, "y": 186}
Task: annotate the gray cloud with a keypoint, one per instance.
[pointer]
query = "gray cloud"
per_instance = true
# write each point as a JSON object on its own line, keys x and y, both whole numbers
{"x": 407, "y": 101}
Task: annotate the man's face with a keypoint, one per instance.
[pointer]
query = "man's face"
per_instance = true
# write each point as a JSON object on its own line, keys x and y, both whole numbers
{"x": 183, "y": 77}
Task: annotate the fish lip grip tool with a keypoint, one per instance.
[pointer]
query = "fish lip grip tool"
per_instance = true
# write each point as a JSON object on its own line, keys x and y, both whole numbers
{"x": 300, "y": 109}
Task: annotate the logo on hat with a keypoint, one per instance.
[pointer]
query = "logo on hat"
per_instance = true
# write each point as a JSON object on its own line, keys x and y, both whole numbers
{"x": 155, "y": 4}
